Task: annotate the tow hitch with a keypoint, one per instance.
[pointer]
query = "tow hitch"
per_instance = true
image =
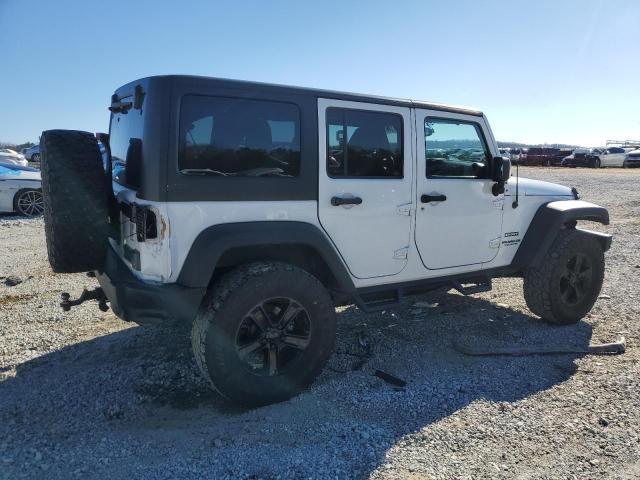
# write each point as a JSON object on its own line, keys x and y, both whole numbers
{"x": 95, "y": 294}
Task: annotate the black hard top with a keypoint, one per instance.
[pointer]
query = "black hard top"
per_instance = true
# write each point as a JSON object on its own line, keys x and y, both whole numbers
{"x": 318, "y": 93}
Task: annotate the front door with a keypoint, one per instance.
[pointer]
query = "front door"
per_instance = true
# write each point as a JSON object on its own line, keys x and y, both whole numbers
{"x": 458, "y": 219}
{"x": 365, "y": 179}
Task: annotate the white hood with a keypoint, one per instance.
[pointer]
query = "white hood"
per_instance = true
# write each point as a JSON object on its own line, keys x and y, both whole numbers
{"x": 537, "y": 188}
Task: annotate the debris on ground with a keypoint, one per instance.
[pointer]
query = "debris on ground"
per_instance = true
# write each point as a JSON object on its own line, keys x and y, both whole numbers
{"x": 391, "y": 379}
{"x": 603, "y": 349}
{"x": 12, "y": 281}
{"x": 426, "y": 305}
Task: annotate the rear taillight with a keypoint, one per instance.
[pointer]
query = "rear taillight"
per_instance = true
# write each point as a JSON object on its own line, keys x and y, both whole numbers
{"x": 146, "y": 224}
{"x": 144, "y": 219}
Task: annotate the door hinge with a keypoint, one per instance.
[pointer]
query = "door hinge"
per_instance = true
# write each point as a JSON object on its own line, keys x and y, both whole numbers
{"x": 498, "y": 203}
{"x": 401, "y": 254}
{"x": 406, "y": 209}
{"x": 495, "y": 243}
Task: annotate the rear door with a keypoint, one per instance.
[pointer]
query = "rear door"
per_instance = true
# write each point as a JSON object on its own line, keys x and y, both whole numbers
{"x": 365, "y": 184}
{"x": 458, "y": 219}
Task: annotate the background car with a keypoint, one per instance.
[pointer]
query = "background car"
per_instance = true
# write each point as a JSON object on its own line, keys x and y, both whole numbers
{"x": 516, "y": 155}
{"x": 541, "y": 156}
{"x": 505, "y": 152}
{"x": 608, "y": 157}
{"x": 577, "y": 159}
{"x": 632, "y": 159}
{"x": 20, "y": 190}
{"x": 32, "y": 153}
{"x": 11, "y": 157}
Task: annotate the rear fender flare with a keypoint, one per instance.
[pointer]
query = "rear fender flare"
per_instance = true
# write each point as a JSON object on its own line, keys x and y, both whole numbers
{"x": 213, "y": 242}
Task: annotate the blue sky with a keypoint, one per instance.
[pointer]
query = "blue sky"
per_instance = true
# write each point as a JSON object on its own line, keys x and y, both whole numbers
{"x": 543, "y": 71}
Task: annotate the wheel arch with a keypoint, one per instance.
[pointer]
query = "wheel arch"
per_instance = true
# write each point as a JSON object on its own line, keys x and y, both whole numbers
{"x": 221, "y": 247}
{"x": 553, "y": 217}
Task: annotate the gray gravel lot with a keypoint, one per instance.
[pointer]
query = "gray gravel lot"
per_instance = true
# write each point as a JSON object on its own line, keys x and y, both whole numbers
{"x": 85, "y": 395}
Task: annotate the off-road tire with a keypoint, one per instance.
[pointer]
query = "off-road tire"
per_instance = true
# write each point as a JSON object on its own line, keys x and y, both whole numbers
{"x": 542, "y": 289}
{"x": 215, "y": 328}
{"x": 76, "y": 200}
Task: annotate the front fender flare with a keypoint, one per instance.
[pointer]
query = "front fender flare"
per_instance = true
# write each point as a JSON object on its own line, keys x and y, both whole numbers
{"x": 549, "y": 220}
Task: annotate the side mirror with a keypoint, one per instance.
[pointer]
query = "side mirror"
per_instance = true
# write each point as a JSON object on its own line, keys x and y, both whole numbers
{"x": 501, "y": 171}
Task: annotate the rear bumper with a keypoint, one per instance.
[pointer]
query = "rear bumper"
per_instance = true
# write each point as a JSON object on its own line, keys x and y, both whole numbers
{"x": 142, "y": 302}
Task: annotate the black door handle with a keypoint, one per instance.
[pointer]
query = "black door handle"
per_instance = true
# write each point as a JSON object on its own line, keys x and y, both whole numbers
{"x": 337, "y": 201}
{"x": 433, "y": 198}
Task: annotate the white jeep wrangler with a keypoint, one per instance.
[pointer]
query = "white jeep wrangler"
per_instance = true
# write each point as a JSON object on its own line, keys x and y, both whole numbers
{"x": 251, "y": 210}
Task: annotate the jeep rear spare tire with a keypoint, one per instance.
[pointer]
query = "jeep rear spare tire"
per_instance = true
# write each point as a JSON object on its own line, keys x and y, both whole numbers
{"x": 264, "y": 333}
{"x": 76, "y": 195}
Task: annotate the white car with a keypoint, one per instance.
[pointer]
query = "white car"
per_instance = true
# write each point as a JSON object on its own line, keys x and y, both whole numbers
{"x": 20, "y": 190}
{"x": 610, "y": 157}
{"x": 11, "y": 157}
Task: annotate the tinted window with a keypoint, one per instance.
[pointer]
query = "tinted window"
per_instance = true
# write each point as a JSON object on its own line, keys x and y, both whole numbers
{"x": 616, "y": 150}
{"x": 364, "y": 144}
{"x": 455, "y": 149}
{"x": 125, "y": 140}
{"x": 238, "y": 137}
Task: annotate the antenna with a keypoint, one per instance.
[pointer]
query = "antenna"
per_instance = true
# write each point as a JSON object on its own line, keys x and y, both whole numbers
{"x": 515, "y": 202}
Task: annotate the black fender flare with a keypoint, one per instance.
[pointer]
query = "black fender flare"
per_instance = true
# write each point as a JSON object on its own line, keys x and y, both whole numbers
{"x": 549, "y": 220}
{"x": 211, "y": 244}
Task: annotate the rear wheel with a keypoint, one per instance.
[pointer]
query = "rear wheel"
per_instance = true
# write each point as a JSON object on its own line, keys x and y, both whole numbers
{"x": 264, "y": 333}
{"x": 28, "y": 203}
{"x": 567, "y": 283}
{"x": 35, "y": 157}
{"x": 76, "y": 200}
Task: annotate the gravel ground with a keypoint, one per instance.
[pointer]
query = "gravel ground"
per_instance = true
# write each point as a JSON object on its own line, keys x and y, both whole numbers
{"x": 85, "y": 395}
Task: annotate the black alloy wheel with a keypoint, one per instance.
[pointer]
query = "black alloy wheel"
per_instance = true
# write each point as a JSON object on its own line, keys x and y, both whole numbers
{"x": 273, "y": 335}
{"x": 576, "y": 279}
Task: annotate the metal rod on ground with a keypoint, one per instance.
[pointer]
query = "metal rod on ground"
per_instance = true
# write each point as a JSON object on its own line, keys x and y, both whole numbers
{"x": 617, "y": 347}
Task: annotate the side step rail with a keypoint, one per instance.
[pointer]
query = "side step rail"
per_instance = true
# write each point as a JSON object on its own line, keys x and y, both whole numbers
{"x": 393, "y": 296}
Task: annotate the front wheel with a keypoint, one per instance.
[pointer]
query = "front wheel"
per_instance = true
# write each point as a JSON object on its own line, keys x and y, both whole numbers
{"x": 264, "y": 333}
{"x": 567, "y": 283}
{"x": 35, "y": 158}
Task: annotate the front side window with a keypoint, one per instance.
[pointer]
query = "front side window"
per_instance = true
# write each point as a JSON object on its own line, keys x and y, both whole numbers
{"x": 238, "y": 137}
{"x": 364, "y": 144}
{"x": 455, "y": 149}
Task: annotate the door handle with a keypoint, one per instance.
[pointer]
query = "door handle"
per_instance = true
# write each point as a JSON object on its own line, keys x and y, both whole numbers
{"x": 337, "y": 201}
{"x": 433, "y": 198}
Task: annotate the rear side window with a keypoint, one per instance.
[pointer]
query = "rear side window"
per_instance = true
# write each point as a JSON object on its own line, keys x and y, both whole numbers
{"x": 125, "y": 140}
{"x": 364, "y": 144}
{"x": 238, "y": 137}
